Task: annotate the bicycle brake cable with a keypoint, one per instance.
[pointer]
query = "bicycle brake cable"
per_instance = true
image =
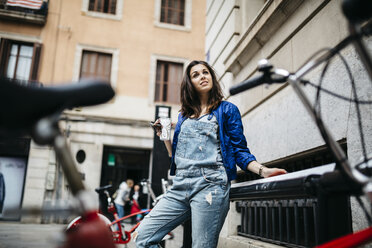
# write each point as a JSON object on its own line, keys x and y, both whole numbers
{"x": 317, "y": 106}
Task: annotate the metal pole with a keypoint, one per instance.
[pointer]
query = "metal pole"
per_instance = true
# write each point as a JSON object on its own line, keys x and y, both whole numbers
{"x": 68, "y": 165}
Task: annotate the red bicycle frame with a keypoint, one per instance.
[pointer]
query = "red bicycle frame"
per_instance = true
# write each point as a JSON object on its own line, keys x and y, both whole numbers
{"x": 351, "y": 240}
{"x": 118, "y": 234}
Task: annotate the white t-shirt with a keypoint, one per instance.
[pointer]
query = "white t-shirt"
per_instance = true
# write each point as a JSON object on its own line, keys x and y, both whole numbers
{"x": 136, "y": 195}
{"x": 122, "y": 191}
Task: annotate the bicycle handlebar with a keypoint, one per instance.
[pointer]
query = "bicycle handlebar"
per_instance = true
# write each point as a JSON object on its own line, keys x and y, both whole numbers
{"x": 269, "y": 77}
{"x": 357, "y": 10}
{"x": 248, "y": 84}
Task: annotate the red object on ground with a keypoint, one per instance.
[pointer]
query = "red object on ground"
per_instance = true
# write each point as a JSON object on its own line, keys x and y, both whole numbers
{"x": 91, "y": 232}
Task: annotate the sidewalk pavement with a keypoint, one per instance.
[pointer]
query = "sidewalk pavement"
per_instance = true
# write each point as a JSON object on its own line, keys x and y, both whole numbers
{"x": 19, "y": 235}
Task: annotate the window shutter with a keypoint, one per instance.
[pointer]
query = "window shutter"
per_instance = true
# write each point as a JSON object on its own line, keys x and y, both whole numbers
{"x": 175, "y": 79}
{"x": 35, "y": 62}
{"x": 95, "y": 64}
{"x": 168, "y": 81}
{"x": 4, "y": 51}
{"x": 173, "y": 12}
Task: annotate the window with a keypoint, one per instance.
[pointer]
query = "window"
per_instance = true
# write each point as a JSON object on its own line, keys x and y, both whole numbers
{"x": 95, "y": 64}
{"x": 105, "y": 9}
{"x": 19, "y": 60}
{"x": 173, "y": 12}
{"x": 168, "y": 81}
{"x": 104, "y": 6}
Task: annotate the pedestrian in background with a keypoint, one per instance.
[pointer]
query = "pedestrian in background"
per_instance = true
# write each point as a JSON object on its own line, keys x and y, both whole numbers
{"x": 208, "y": 143}
{"x": 122, "y": 197}
{"x": 137, "y": 199}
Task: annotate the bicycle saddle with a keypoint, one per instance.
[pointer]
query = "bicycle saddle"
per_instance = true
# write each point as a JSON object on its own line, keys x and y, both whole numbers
{"x": 21, "y": 106}
{"x": 103, "y": 188}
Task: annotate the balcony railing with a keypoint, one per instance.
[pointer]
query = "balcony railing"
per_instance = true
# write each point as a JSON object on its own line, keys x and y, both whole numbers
{"x": 13, "y": 13}
{"x": 300, "y": 209}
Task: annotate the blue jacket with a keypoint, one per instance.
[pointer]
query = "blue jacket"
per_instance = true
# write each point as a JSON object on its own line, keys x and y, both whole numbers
{"x": 233, "y": 143}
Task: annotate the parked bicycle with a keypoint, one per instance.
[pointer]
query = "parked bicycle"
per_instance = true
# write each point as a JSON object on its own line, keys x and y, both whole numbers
{"x": 352, "y": 178}
{"x": 35, "y": 111}
{"x": 119, "y": 233}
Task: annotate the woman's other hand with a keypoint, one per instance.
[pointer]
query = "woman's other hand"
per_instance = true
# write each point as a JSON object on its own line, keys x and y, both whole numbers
{"x": 271, "y": 172}
{"x": 264, "y": 171}
{"x": 157, "y": 127}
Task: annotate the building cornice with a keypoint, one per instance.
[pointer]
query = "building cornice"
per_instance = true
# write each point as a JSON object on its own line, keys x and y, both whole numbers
{"x": 272, "y": 15}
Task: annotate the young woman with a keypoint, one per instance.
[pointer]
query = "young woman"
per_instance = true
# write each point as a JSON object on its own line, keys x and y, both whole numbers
{"x": 208, "y": 143}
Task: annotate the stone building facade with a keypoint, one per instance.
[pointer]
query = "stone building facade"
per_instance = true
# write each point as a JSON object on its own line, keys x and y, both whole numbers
{"x": 279, "y": 131}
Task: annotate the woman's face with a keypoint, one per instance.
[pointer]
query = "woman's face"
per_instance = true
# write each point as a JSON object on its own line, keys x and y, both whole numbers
{"x": 201, "y": 79}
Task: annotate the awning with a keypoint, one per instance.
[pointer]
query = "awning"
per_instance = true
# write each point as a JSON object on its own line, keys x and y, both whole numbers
{"x": 30, "y": 4}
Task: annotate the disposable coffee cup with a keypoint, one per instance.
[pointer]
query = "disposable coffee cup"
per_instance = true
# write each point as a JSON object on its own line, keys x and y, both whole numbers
{"x": 165, "y": 128}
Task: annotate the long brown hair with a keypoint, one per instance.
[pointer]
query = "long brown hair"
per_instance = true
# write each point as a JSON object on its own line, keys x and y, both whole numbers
{"x": 190, "y": 102}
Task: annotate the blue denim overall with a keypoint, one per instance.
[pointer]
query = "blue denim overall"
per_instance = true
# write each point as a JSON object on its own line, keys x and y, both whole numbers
{"x": 200, "y": 189}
